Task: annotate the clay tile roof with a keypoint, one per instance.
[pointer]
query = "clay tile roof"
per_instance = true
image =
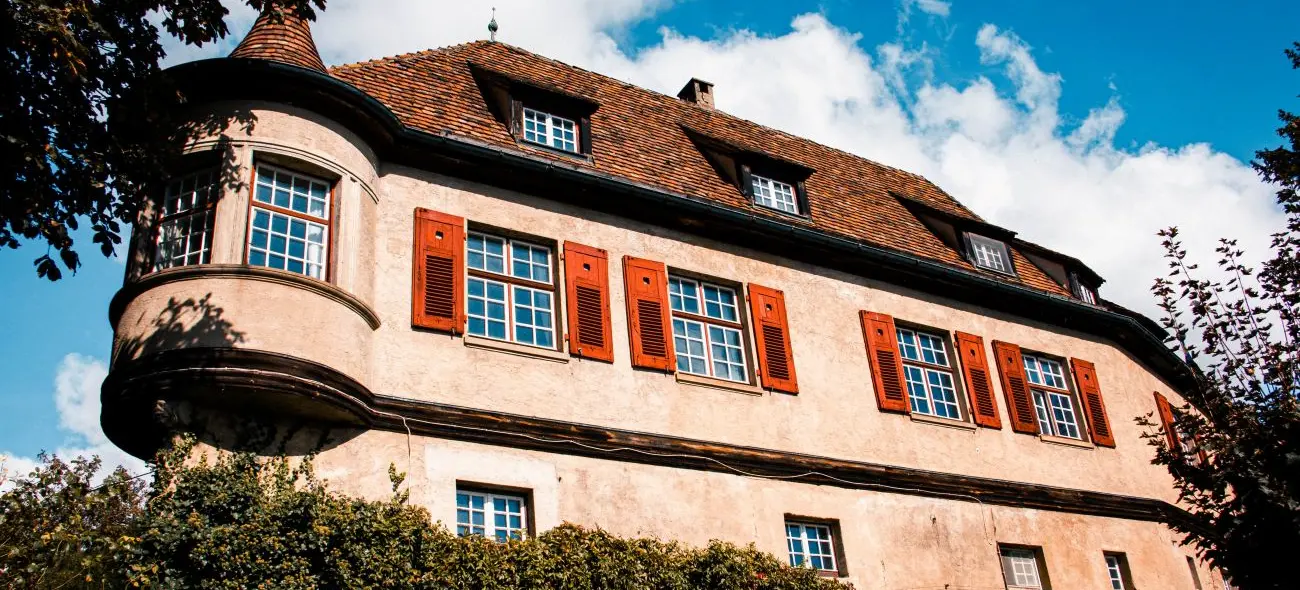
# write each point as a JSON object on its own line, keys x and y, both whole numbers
{"x": 642, "y": 136}
{"x": 282, "y": 36}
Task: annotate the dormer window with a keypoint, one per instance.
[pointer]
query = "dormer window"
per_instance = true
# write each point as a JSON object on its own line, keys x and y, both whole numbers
{"x": 550, "y": 130}
{"x": 1081, "y": 290}
{"x": 775, "y": 194}
{"x": 989, "y": 254}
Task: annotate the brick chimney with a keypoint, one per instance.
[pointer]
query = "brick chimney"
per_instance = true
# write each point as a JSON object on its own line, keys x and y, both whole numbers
{"x": 699, "y": 92}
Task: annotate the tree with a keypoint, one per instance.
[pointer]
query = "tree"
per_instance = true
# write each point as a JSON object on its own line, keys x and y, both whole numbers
{"x": 243, "y": 521}
{"x": 1236, "y": 461}
{"x": 85, "y": 126}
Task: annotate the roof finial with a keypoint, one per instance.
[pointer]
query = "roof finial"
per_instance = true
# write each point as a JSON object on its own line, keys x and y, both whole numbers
{"x": 492, "y": 26}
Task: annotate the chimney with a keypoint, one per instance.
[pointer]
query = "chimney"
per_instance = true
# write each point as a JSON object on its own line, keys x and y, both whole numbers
{"x": 699, "y": 92}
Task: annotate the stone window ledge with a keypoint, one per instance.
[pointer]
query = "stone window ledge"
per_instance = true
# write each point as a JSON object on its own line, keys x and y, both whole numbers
{"x": 545, "y": 354}
{"x": 1066, "y": 441}
{"x": 712, "y": 383}
{"x": 948, "y": 422}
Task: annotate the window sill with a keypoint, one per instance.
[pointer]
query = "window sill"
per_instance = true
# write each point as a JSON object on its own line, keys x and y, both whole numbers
{"x": 545, "y": 354}
{"x": 713, "y": 383}
{"x": 1066, "y": 441}
{"x": 949, "y": 422}
{"x": 546, "y": 149}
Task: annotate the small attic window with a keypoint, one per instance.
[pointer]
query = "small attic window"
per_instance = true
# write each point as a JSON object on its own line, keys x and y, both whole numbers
{"x": 552, "y": 131}
{"x": 775, "y": 194}
{"x": 989, "y": 254}
{"x": 1081, "y": 290}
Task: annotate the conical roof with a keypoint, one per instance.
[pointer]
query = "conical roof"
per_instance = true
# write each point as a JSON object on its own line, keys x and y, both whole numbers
{"x": 280, "y": 35}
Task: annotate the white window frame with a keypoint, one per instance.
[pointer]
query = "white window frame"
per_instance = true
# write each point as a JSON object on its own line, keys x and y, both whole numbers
{"x": 990, "y": 254}
{"x": 1026, "y": 569}
{"x": 490, "y": 528}
{"x": 713, "y": 328}
{"x": 552, "y": 131}
{"x": 514, "y": 285}
{"x": 1115, "y": 571}
{"x": 188, "y": 205}
{"x": 774, "y": 194}
{"x": 931, "y": 373}
{"x": 796, "y": 531}
{"x": 316, "y": 267}
{"x": 1053, "y": 400}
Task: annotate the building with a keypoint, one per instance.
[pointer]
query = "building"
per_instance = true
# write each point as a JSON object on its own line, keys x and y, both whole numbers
{"x": 552, "y": 296}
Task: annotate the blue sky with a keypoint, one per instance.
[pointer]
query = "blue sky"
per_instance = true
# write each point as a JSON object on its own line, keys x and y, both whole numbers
{"x": 1161, "y": 99}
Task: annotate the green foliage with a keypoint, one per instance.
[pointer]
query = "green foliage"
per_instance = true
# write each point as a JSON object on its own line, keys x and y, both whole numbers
{"x": 243, "y": 522}
{"x": 1240, "y": 477}
{"x": 84, "y": 113}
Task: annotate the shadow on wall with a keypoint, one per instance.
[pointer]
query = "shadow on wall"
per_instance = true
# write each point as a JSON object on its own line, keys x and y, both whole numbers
{"x": 189, "y": 323}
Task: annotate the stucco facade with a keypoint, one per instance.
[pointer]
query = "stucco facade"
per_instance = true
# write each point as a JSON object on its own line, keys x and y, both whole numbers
{"x": 357, "y": 322}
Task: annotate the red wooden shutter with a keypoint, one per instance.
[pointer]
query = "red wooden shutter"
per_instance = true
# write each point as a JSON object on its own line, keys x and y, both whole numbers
{"x": 586, "y": 274}
{"x": 1020, "y": 402}
{"x": 1085, "y": 376}
{"x": 648, "y": 326}
{"x": 886, "y": 366}
{"x": 772, "y": 336}
{"x": 438, "y": 272}
{"x": 1166, "y": 412}
{"x": 975, "y": 371}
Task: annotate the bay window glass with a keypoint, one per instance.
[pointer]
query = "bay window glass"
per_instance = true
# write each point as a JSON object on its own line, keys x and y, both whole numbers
{"x": 289, "y": 227}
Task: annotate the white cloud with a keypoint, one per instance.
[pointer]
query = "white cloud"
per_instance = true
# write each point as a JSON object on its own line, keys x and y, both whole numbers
{"x": 76, "y": 399}
{"x": 1010, "y": 155}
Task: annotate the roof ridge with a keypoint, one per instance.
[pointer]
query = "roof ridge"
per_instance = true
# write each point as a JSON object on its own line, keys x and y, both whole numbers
{"x": 407, "y": 55}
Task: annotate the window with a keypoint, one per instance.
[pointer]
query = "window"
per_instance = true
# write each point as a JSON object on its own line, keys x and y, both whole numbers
{"x": 989, "y": 254}
{"x": 1022, "y": 568}
{"x": 927, "y": 371}
{"x": 496, "y": 516}
{"x": 185, "y": 225}
{"x": 1085, "y": 293}
{"x": 551, "y": 131}
{"x": 775, "y": 194}
{"x": 811, "y": 545}
{"x": 290, "y": 222}
{"x": 511, "y": 290}
{"x": 707, "y": 333}
{"x": 1052, "y": 400}
{"x": 1117, "y": 571}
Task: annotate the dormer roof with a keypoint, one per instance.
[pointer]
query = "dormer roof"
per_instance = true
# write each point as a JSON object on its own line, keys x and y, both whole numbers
{"x": 282, "y": 36}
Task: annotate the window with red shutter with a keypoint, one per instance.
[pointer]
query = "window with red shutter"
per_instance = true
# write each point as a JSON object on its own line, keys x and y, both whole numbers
{"x": 772, "y": 336}
{"x": 975, "y": 372}
{"x": 646, "y": 286}
{"x": 438, "y": 270}
{"x": 1166, "y": 412}
{"x": 886, "y": 369}
{"x": 1020, "y": 404}
{"x": 1085, "y": 378}
{"x": 586, "y": 276}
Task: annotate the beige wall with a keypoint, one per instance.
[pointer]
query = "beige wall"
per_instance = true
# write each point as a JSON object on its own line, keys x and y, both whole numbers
{"x": 890, "y": 540}
{"x": 835, "y": 413}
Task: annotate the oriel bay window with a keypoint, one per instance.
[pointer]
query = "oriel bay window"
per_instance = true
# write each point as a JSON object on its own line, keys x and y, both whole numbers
{"x": 510, "y": 293}
{"x": 184, "y": 233}
{"x": 707, "y": 333}
{"x": 289, "y": 222}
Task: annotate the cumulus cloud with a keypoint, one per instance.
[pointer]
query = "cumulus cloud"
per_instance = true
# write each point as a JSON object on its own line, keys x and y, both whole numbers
{"x": 998, "y": 142}
{"x": 76, "y": 399}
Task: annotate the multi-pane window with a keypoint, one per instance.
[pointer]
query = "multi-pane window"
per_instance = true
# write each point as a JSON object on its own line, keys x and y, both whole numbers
{"x": 290, "y": 224}
{"x": 550, "y": 130}
{"x": 1085, "y": 293}
{"x": 707, "y": 333}
{"x": 811, "y": 545}
{"x": 511, "y": 290}
{"x": 1052, "y": 400}
{"x": 927, "y": 370}
{"x": 989, "y": 254}
{"x": 1020, "y": 569}
{"x": 495, "y": 516}
{"x": 185, "y": 226}
{"x": 775, "y": 194}
{"x": 1117, "y": 571}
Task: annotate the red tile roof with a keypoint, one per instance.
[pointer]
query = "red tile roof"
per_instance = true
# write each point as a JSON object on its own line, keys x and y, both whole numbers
{"x": 638, "y": 134}
{"x": 281, "y": 36}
